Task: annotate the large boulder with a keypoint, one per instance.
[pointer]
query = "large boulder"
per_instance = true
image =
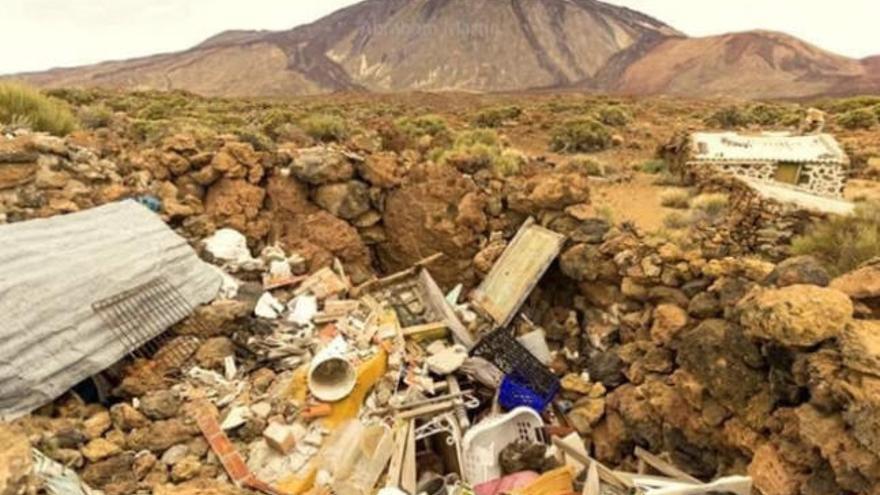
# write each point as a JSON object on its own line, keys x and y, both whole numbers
{"x": 797, "y": 315}
{"x": 237, "y": 204}
{"x": 724, "y": 361}
{"x": 860, "y": 346}
{"x": 424, "y": 217}
{"x": 552, "y": 191}
{"x": 287, "y": 196}
{"x": 321, "y": 165}
{"x": 320, "y": 236}
{"x": 863, "y": 283}
{"x": 799, "y": 270}
{"x": 347, "y": 200}
{"x": 382, "y": 170}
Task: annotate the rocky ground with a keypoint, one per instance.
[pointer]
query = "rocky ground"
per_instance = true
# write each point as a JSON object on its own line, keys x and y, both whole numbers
{"x": 723, "y": 353}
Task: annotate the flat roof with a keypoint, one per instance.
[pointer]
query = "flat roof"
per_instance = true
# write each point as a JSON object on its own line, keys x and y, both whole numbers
{"x": 735, "y": 147}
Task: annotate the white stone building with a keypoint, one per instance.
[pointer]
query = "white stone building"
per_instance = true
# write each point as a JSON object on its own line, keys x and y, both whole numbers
{"x": 814, "y": 163}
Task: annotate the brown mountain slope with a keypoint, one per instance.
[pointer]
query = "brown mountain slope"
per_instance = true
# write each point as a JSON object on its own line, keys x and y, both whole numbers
{"x": 755, "y": 64}
{"x": 487, "y": 45}
{"x": 390, "y": 45}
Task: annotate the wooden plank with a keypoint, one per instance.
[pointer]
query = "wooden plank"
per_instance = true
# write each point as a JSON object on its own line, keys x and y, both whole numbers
{"x": 438, "y": 303}
{"x": 605, "y": 474}
{"x": 664, "y": 467}
{"x": 517, "y": 271}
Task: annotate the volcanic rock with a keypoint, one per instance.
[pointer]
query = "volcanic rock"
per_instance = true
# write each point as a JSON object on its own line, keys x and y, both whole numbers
{"x": 797, "y": 315}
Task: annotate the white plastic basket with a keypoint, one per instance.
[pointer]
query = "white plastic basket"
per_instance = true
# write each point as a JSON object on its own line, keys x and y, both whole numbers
{"x": 484, "y": 442}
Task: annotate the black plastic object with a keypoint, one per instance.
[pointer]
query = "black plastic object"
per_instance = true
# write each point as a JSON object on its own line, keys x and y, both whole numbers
{"x": 511, "y": 357}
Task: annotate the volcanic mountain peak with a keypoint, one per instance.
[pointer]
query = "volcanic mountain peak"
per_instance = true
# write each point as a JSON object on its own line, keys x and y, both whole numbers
{"x": 486, "y": 45}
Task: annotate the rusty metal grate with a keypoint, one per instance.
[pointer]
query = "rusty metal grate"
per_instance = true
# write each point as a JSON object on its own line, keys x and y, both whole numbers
{"x": 138, "y": 317}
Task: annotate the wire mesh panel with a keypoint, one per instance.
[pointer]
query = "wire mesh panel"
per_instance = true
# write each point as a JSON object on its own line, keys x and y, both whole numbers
{"x": 138, "y": 316}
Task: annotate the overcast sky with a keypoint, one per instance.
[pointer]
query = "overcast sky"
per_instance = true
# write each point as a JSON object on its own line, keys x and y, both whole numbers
{"x": 40, "y": 34}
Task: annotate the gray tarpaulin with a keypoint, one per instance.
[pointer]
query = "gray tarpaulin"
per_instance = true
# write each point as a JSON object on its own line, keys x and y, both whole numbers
{"x": 52, "y": 273}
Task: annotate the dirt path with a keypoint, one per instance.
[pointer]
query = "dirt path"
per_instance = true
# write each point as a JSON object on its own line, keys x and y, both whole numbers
{"x": 637, "y": 201}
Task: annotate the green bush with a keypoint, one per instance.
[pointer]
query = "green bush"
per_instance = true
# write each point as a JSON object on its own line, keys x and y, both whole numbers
{"x": 849, "y": 104}
{"x": 96, "y": 116}
{"x": 729, "y": 118}
{"x": 862, "y": 118}
{"x": 767, "y": 115}
{"x": 482, "y": 149}
{"x": 74, "y": 96}
{"x": 424, "y": 125}
{"x": 325, "y": 127}
{"x": 478, "y": 136}
{"x": 275, "y": 121}
{"x": 614, "y": 115}
{"x": 497, "y": 116}
{"x": 842, "y": 243}
{"x": 657, "y": 166}
{"x": 27, "y": 107}
{"x": 580, "y": 135}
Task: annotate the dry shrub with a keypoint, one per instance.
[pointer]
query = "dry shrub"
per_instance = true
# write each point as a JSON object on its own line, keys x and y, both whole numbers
{"x": 588, "y": 166}
{"x": 96, "y": 116}
{"x": 657, "y": 166}
{"x": 676, "y": 198}
{"x": 842, "y": 243}
{"x": 678, "y": 220}
{"x": 23, "y": 106}
{"x": 711, "y": 204}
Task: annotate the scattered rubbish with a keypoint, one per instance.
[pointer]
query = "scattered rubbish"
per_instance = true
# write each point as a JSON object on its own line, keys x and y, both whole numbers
{"x": 391, "y": 386}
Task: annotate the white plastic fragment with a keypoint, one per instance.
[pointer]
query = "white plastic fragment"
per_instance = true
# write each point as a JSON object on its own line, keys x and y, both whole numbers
{"x": 268, "y": 307}
{"x": 447, "y": 360}
{"x": 59, "y": 480}
{"x": 236, "y": 417}
{"x": 536, "y": 343}
{"x": 229, "y": 368}
{"x": 303, "y": 308}
{"x": 230, "y": 247}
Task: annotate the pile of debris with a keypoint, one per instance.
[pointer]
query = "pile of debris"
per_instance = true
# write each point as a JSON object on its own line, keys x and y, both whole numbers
{"x": 565, "y": 352}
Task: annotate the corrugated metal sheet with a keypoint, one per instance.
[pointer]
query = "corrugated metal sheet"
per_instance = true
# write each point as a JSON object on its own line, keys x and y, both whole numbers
{"x": 733, "y": 147}
{"x": 51, "y": 273}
